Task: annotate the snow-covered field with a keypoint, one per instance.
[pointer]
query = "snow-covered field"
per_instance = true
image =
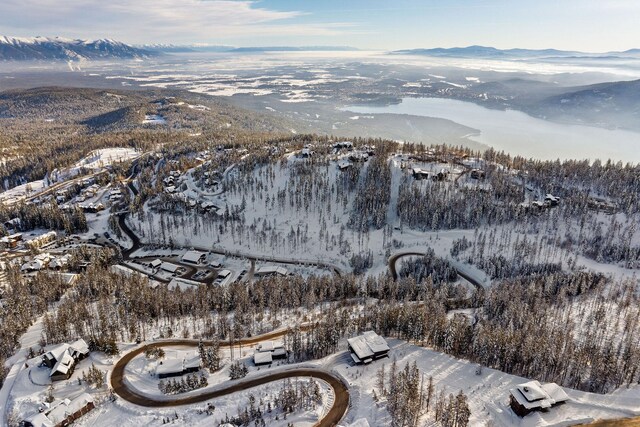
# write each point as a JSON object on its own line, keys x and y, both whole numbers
{"x": 107, "y": 156}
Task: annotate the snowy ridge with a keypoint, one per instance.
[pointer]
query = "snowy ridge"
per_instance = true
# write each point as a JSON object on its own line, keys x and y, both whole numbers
{"x": 64, "y": 49}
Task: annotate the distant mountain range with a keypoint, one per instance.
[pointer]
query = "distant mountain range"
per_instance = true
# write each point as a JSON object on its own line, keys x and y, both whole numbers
{"x": 169, "y": 48}
{"x": 60, "y": 49}
{"x": 492, "y": 52}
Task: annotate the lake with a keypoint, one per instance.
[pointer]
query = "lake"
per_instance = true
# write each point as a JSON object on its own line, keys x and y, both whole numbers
{"x": 520, "y": 134}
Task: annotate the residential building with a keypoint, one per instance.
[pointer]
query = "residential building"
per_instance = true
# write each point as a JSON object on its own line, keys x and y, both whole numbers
{"x": 367, "y": 347}
{"x": 533, "y": 396}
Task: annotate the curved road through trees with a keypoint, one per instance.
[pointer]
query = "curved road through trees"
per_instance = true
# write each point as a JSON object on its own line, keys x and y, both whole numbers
{"x": 393, "y": 260}
{"x": 122, "y": 389}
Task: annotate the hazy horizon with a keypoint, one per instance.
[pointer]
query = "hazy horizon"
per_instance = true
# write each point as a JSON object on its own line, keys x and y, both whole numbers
{"x": 575, "y": 25}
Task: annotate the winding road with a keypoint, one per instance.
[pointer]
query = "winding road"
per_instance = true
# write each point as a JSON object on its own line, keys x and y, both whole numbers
{"x": 393, "y": 260}
{"x": 341, "y": 392}
{"x": 122, "y": 389}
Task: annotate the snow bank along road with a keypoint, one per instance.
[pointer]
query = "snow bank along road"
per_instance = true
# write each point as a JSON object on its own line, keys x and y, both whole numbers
{"x": 332, "y": 417}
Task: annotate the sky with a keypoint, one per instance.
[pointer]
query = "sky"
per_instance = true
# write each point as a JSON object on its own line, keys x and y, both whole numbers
{"x": 586, "y": 25}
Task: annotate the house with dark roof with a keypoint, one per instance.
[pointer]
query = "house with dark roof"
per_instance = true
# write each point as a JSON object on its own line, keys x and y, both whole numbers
{"x": 367, "y": 347}
{"x": 63, "y": 359}
{"x": 267, "y": 351}
{"x": 533, "y": 396}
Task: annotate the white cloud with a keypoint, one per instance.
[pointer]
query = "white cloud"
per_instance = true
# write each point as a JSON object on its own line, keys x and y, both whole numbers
{"x": 155, "y": 20}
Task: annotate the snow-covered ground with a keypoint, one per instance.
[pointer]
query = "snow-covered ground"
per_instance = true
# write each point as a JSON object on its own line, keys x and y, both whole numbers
{"x": 100, "y": 158}
{"x": 487, "y": 393}
{"x": 16, "y": 193}
{"x": 321, "y": 223}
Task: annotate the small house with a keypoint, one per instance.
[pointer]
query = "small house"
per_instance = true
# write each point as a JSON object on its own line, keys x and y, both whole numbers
{"x": 477, "y": 174}
{"x": 367, "y": 347}
{"x": 267, "y": 351}
{"x": 62, "y": 413}
{"x": 419, "y": 173}
{"x": 551, "y": 200}
{"x": 533, "y": 396}
{"x": 178, "y": 364}
{"x": 63, "y": 359}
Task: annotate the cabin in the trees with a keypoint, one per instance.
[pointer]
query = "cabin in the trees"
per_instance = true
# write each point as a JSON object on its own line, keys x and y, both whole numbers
{"x": 11, "y": 242}
{"x": 179, "y": 364}
{"x": 477, "y": 174}
{"x": 367, "y": 347}
{"x": 62, "y": 413}
{"x": 344, "y": 164}
{"x": 419, "y": 173}
{"x": 194, "y": 257}
{"x": 63, "y": 359}
{"x": 305, "y": 153}
{"x": 268, "y": 351}
{"x": 551, "y": 200}
{"x": 13, "y": 224}
{"x": 533, "y": 396}
{"x": 343, "y": 145}
{"x": 359, "y": 156}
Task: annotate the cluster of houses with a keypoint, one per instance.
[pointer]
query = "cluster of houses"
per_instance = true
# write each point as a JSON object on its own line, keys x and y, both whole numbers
{"x": 367, "y": 347}
{"x": 61, "y": 413}
{"x": 172, "y": 181}
{"x": 16, "y": 240}
{"x": 420, "y": 174}
{"x": 549, "y": 201}
{"x": 174, "y": 186}
{"x": 46, "y": 260}
{"x": 268, "y": 351}
{"x": 115, "y": 195}
{"x": 349, "y": 156}
{"x": 90, "y": 191}
{"x": 63, "y": 358}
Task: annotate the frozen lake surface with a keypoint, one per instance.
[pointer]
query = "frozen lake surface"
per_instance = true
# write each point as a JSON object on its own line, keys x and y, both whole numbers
{"x": 520, "y": 134}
